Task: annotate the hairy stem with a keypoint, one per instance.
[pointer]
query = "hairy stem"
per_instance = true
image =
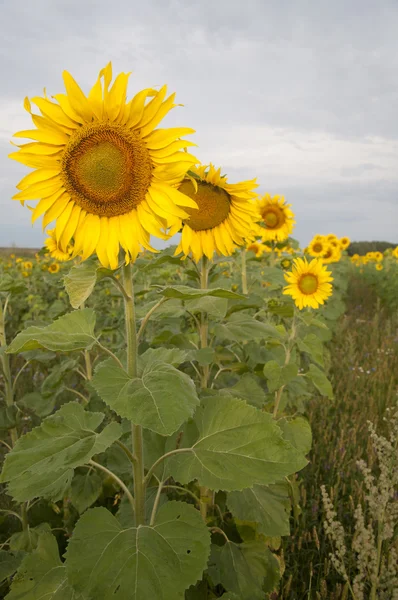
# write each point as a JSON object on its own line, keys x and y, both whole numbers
{"x": 148, "y": 316}
{"x": 120, "y": 483}
{"x": 136, "y": 430}
{"x": 5, "y": 361}
{"x": 292, "y": 337}
{"x": 244, "y": 271}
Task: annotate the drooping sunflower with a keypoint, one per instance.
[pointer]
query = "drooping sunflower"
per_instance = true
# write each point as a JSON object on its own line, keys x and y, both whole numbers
{"x": 344, "y": 242}
{"x": 332, "y": 254}
{"x": 225, "y": 217}
{"x": 317, "y": 247}
{"x": 277, "y": 217}
{"x": 54, "y": 248}
{"x": 103, "y": 172}
{"x": 308, "y": 283}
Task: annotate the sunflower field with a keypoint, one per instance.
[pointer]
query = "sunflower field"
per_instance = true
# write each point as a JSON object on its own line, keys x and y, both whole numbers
{"x": 191, "y": 423}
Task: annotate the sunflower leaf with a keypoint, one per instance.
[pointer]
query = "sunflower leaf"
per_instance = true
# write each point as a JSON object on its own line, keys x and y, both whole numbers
{"x": 185, "y": 292}
{"x": 81, "y": 279}
{"x": 105, "y": 560}
{"x": 236, "y": 447}
{"x": 161, "y": 399}
{"x": 42, "y": 461}
{"x": 242, "y": 328}
{"x": 73, "y": 331}
{"x": 320, "y": 381}
{"x": 42, "y": 574}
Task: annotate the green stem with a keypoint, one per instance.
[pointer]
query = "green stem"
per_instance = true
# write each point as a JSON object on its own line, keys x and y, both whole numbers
{"x": 5, "y": 361}
{"x": 148, "y": 316}
{"x": 87, "y": 360}
{"x": 292, "y": 337}
{"x": 244, "y": 272}
{"x": 136, "y": 430}
{"x": 120, "y": 483}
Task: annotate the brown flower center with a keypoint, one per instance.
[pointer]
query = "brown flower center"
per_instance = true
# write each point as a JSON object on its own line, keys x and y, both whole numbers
{"x": 273, "y": 217}
{"x": 106, "y": 169}
{"x": 317, "y": 247}
{"x": 308, "y": 283}
{"x": 213, "y": 205}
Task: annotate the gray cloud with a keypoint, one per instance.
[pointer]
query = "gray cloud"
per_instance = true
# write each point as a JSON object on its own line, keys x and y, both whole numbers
{"x": 301, "y": 95}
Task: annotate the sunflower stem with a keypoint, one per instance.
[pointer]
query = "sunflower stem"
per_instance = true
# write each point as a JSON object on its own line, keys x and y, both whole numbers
{"x": 136, "y": 430}
{"x": 292, "y": 337}
{"x": 244, "y": 272}
{"x": 205, "y": 493}
{"x": 5, "y": 361}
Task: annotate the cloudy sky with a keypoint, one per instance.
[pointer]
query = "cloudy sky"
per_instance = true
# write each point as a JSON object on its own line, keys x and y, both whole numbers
{"x": 301, "y": 94}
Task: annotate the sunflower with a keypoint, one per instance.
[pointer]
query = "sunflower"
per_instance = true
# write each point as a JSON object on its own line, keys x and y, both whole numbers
{"x": 53, "y": 268}
{"x": 258, "y": 248}
{"x": 309, "y": 283}
{"x": 331, "y": 237}
{"x": 395, "y": 252}
{"x": 277, "y": 217}
{"x": 27, "y": 265}
{"x": 286, "y": 263}
{"x": 344, "y": 242}
{"x": 317, "y": 247}
{"x": 332, "y": 254}
{"x": 54, "y": 248}
{"x": 379, "y": 267}
{"x": 103, "y": 172}
{"x": 225, "y": 217}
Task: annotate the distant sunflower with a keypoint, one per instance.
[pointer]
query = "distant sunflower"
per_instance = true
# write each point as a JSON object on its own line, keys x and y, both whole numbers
{"x": 27, "y": 265}
{"x": 225, "y": 217}
{"x": 54, "y": 268}
{"x": 309, "y": 283}
{"x": 331, "y": 237}
{"x": 332, "y": 254}
{"x": 258, "y": 248}
{"x": 277, "y": 217}
{"x": 317, "y": 247}
{"x": 103, "y": 172}
{"x": 55, "y": 250}
{"x": 379, "y": 267}
{"x": 395, "y": 252}
{"x": 344, "y": 242}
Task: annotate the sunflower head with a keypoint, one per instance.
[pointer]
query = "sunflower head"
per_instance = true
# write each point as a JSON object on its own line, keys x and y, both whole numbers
{"x": 102, "y": 171}
{"x": 317, "y": 247}
{"x": 53, "y": 268}
{"x": 379, "y": 267}
{"x": 286, "y": 263}
{"x": 225, "y": 215}
{"x": 344, "y": 242}
{"x": 278, "y": 219}
{"x": 54, "y": 248}
{"x": 395, "y": 252}
{"x": 308, "y": 283}
{"x": 332, "y": 254}
{"x": 27, "y": 265}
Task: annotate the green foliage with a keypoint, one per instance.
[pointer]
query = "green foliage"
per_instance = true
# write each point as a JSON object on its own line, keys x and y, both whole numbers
{"x": 106, "y": 560}
{"x": 42, "y": 462}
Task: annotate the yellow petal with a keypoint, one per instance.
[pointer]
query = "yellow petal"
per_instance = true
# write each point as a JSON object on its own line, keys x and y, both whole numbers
{"x": 39, "y": 148}
{"x": 171, "y": 148}
{"x": 163, "y": 137}
{"x": 161, "y": 113}
{"x": 117, "y": 96}
{"x": 38, "y": 190}
{"x": 34, "y": 161}
{"x": 70, "y": 227}
{"x": 77, "y": 99}
{"x": 47, "y": 136}
{"x": 63, "y": 220}
{"x": 96, "y": 99}
{"x": 153, "y": 106}
{"x": 36, "y": 176}
{"x": 56, "y": 210}
{"x": 54, "y": 112}
{"x": 45, "y": 204}
{"x": 66, "y": 106}
{"x": 103, "y": 242}
{"x": 113, "y": 242}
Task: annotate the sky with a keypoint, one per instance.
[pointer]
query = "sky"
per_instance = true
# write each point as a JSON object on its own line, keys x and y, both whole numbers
{"x": 301, "y": 94}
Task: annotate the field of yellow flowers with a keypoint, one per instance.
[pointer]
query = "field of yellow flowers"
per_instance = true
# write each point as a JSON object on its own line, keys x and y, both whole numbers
{"x": 216, "y": 420}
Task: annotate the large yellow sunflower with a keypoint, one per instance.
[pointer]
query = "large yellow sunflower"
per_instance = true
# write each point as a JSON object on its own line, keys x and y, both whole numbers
{"x": 309, "y": 283}
{"x": 103, "y": 172}
{"x": 277, "y": 217}
{"x": 225, "y": 217}
{"x": 317, "y": 247}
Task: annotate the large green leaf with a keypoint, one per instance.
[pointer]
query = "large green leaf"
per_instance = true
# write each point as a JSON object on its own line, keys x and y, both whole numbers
{"x": 298, "y": 432}
{"x": 241, "y": 328}
{"x": 42, "y": 575}
{"x": 216, "y": 307}
{"x": 237, "y": 446}
{"x": 243, "y": 568}
{"x": 80, "y": 281}
{"x": 9, "y": 284}
{"x": 312, "y": 345}
{"x": 247, "y": 388}
{"x": 85, "y": 490}
{"x": 320, "y": 381}
{"x": 140, "y": 563}
{"x": 74, "y": 331}
{"x": 171, "y": 356}
{"x": 187, "y": 293}
{"x": 278, "y": 376}
{"x": 161, "y": 400}
{"x": 42, "y": 461}
{"x": 9, "y": 563}
{"x": 267, "y": 505}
